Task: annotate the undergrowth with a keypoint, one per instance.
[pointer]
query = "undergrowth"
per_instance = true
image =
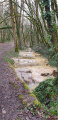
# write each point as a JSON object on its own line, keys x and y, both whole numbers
{"x": 48, "y": 53}
{"x": 47, "y": 93}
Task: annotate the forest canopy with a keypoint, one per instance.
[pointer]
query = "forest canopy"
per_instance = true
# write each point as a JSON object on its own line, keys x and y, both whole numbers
{"x": 29, "y": 23}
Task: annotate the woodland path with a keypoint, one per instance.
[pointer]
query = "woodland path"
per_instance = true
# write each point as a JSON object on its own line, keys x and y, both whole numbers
{"x": 11, "y": 107}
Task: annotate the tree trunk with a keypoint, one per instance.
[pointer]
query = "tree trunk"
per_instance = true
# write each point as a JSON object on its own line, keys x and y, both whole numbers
{"x": 13, "y": 25}
{"x": 17, "y": 22}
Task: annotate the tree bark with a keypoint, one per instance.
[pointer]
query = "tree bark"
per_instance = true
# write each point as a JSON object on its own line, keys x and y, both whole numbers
{"x": 13, "y": 25}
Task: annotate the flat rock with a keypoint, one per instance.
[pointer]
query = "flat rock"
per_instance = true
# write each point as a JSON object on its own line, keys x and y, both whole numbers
{"x": 24, "y": 69}
{"x": 18, "y": 74}
{"x": 26, "y": 62}
{"x": 31, "y": 68}
{"x": 26, "y": 54}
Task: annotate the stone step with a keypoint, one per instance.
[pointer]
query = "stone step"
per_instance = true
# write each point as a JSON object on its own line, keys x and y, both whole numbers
{"x": 27, "y": 54}
{"x": 25, "y": 62}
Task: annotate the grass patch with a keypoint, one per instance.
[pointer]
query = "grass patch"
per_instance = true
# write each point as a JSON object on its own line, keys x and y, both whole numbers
{"x": 9, "y": 55}
{"x": 7, "y": 59}
{"x": 12, "y": 53}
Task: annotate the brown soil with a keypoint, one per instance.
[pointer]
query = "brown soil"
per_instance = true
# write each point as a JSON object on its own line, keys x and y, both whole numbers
{"x": 11, "y": 107}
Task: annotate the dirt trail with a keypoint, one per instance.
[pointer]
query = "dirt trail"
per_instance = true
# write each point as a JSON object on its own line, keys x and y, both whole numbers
{"x": 11, "y": 108}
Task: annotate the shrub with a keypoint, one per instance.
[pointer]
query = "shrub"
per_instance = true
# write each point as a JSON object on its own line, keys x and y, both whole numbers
{"x": 47, "y": 93}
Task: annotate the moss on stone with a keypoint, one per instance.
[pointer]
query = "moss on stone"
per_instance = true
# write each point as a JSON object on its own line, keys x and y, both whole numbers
{"x": 11, "y": 66}
{"x": 20, "y": 80}
{"x": 26, "y": 87}
{"x": 37, "y": 103}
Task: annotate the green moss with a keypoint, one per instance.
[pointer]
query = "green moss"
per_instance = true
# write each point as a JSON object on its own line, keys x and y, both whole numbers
{"x": 32, "y": 95}
{"x": 20, "y": 97}
{"x": 25, "y": 86}
{"x": 16, "y": 48}
{"x": 37, "y": 103}
{"x": 24, "y": 102}
{"x": 20, "y": 80}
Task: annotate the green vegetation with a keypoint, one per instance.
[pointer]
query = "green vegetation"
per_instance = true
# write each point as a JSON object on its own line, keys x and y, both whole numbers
{"x": 37, "y": 103}
{"x": 25, "y": 86}
{"x": 54, "y": 60}
{"x": 34, "y": 109}
{"x": 6, "y": 59}
{"x": 48, "y": 53}
{"x": 24, "y": 102}
{"x": 47, "y": 93}
{"x": 21, "y": 97}
{"x": 32, "y": 95}
{"x": 9, "y": 55}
